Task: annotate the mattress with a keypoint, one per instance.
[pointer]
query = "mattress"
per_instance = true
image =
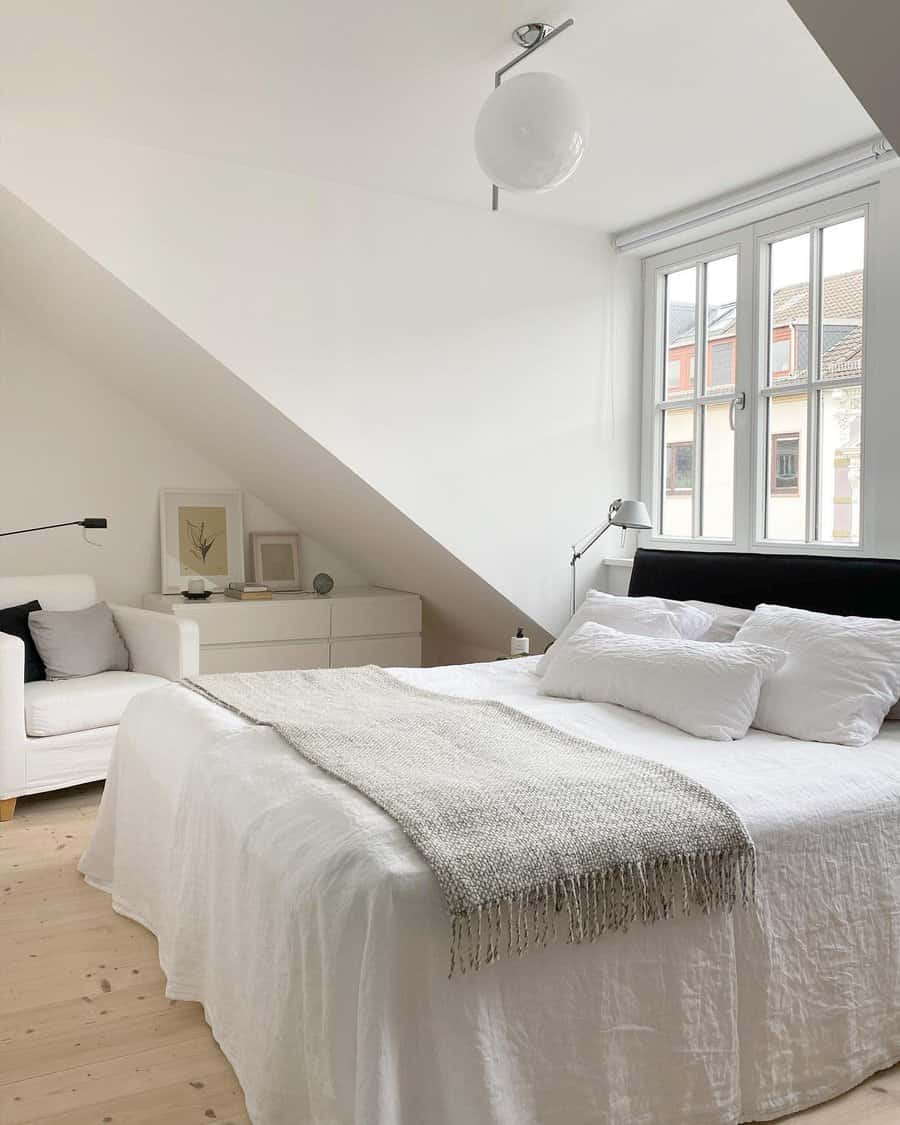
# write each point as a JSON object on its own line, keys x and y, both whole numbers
{"x": 312, "y": 932}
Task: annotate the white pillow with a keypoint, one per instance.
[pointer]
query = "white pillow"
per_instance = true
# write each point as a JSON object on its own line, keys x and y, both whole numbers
{"x": 727, "y": 619}
{"x": 645, "y": 617}
{"x": 841, "y": 676}
{"x": 710, "y": 690}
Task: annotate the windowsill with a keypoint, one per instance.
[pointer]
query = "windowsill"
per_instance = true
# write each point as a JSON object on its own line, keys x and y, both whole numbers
{"x": 766, "y": 546}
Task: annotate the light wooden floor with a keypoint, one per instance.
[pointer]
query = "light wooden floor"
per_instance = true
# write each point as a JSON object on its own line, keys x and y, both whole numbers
{"x": 87, "y": 1036}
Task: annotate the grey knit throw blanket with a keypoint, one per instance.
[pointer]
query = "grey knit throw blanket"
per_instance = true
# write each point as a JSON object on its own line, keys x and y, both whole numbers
{"x": 530, "y": 832}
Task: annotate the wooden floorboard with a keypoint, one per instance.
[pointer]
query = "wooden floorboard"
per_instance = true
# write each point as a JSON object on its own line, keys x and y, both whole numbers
{"x": 87, "y": 1036}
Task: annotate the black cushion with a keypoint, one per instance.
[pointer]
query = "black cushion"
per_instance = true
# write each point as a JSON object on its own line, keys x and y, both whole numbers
{"x": 14, "y": 620}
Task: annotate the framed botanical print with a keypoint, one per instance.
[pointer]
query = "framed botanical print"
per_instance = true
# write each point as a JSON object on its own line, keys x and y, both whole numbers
{"x": 201, "y": 535}
{"x": 276, "y": 559}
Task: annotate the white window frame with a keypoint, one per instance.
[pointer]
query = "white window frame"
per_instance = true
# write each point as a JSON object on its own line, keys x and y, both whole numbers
{"x": 751, "y": 392}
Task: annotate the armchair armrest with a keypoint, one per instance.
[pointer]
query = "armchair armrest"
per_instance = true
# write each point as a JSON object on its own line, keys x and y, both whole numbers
{"x": 159, "y": 643}
{"x": 12, "y": 716}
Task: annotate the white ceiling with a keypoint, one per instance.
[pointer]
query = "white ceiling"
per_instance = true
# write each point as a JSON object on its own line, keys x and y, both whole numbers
{"x": 687, "y": 99}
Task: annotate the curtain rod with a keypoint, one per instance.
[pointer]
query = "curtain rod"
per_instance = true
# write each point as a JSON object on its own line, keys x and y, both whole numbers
{"x": 877, "y": 151}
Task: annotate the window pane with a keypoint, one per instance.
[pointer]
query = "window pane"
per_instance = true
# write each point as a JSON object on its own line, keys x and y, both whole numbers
{"x": 789, "y": 309}
{"x": 786, "y": 478}
{"x": 721, "y": 310}
{"x": 681, "y": 308}
{"x": 840, "y": 423}
{"x": 678, "y": 473}
{"x": 843, "y": 251}
{"x": 718, "y": 472}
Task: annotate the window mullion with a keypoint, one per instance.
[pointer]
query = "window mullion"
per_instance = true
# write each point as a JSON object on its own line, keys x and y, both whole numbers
{"x": 744, "y": 383}
{"x": 699, "y": 387}
{"x": 812, "y": 396}
{"x": 762, "y": 330}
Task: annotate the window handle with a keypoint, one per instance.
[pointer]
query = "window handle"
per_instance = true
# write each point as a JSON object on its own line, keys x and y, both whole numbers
{"x": 738, "y": 402}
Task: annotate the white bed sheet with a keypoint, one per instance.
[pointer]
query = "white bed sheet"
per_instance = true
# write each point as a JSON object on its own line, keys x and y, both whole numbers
{"x": 312, "y": 932}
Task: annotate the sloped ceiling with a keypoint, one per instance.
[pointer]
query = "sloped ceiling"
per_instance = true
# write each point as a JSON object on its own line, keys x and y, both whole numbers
{"x": 108, "y": 328}
{"x": 687, "y": 100}
{"x": 477, "y": 370}
{"x": 862, "y": 42}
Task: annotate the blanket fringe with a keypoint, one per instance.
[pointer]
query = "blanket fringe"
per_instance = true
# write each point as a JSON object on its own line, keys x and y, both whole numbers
{"x": 599, "y": 902}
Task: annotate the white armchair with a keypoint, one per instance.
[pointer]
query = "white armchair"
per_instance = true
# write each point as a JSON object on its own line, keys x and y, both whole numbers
{"x": 58, "y": 733}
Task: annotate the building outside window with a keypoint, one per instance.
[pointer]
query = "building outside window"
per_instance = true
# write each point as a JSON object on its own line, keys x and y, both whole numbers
{"x": 785, "y": 473}
{"x": 679, "y": 466}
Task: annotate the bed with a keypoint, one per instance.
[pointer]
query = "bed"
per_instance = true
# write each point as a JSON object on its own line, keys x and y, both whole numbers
{"x": 302, "y": 918}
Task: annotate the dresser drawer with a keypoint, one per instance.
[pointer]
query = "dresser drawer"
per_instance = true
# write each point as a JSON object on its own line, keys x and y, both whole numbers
{"x": 227, "y": 621}
{"x": 388, "y": 652}
{"x": 264, "y": 657}
{"x": 367, "y": 616}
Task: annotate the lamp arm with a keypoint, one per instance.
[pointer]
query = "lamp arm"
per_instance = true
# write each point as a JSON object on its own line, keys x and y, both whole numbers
{"x": 577, "y": 552}
{"x": 86, "y": 522}
{"x": 46, "y": 527}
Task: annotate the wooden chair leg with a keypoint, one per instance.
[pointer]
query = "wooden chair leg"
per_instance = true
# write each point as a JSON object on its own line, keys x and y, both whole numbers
{"x": 7, "y": 808}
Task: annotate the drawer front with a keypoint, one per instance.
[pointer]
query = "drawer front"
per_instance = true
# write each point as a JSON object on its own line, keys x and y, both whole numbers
{"x": 366, "y": 617}
{"x": 264, "y": 658}
{"x": 388, "y": 652}
{"x": 277, "y": 620}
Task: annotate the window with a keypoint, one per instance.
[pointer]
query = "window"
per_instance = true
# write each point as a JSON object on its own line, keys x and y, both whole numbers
{"x": 815, "y": 292}
{"x": 679, "y": 466}
{"x": 755, "y": 387}
{"x": 699, "y": 303}
{"x": 785, "y": 474}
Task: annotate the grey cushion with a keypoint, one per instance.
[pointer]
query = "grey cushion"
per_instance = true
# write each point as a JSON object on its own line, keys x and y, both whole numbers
{"x": 78, "y": 642}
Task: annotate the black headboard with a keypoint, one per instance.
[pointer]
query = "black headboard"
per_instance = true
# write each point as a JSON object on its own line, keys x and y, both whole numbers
{"x": 848, "y": 586}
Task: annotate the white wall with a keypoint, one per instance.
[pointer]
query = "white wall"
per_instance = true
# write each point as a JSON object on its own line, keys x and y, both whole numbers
{"x": 477, "y": 370}
{"x": 71, "y": 447}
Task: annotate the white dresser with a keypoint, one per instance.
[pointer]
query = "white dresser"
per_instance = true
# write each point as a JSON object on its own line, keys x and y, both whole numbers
{"x": 352, "y": 626}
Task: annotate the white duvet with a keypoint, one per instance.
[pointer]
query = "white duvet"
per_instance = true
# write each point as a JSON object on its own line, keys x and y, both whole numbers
{"x": 314, "y": 935}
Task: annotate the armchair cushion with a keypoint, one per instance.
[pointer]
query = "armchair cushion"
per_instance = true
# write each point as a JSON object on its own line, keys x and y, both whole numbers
{"x": 78, "y": 642}
{"x": 83, "y": 702}
{"x": 159, "y": 643}
{"x": 14, "y": 620}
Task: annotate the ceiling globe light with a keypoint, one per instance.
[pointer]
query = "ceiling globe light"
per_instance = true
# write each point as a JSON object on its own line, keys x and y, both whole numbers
{"x": 532, "y": 130}
{"x": 531, "y": 133}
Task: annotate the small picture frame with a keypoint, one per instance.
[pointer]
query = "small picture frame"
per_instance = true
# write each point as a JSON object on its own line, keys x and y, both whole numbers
{"x": 275, "y": 557}
{"x": 201, "y": 536}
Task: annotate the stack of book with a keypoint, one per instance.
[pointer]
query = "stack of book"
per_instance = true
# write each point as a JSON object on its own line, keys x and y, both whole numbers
{"x": 247, "y": 591}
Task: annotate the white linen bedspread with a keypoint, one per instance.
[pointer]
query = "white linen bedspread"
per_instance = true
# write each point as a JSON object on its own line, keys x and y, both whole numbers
{"x": 314, "y": 935}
